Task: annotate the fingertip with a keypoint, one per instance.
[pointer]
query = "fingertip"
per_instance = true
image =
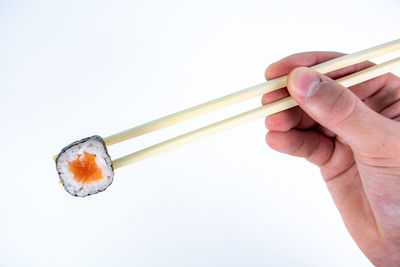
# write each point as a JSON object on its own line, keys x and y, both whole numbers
{"x": 277, "y": 141}
{"x": 268, "y": 73}
{"x": 264, "y": 100}
{"x": 274, "y": 123}
{"x": 269, "y": 139}
{"x": 284, "y": 121}
{"x": 274, "y": 96}
{"x": 266, "y": 123}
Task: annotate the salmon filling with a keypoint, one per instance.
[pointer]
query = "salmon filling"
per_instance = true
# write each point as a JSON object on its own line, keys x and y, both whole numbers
{"x": 84, "y": 168}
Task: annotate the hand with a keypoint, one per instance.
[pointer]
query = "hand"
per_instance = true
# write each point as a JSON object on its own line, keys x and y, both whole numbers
{"x": 353, "y": 135}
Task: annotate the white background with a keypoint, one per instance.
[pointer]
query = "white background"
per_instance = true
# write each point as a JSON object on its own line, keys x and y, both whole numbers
{"x": 71, "y": 69}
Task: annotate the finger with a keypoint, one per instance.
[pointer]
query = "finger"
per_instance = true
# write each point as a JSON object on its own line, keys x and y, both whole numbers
{"x": 377, "y": 98}
{"x": 285, "y": 65}
{"x": 397, "y": 118}
{"x": 340, "y": 161}
{"x": 335, "y": 107}
{"x": 289, "y": 119}
{"x": 336, "y": 74}
{"x": 311, "y": 145}
{"x": 274, "y": 96}
{"x": 284, "y": 121}
{"x": 368, "y": 88}
{"x": 362, "y": 90}
{"x": 392, "y": 111}
{"x": 388, "y": 94}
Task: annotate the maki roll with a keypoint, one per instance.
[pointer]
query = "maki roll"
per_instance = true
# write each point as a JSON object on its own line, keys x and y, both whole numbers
{"x": 85, "y": 167}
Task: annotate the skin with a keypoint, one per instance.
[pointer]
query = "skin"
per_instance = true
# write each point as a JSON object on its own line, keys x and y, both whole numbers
{"x": 353, "y": 136}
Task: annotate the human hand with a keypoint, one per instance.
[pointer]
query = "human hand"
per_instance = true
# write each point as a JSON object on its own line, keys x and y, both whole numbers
{"x": 353, "y": 135}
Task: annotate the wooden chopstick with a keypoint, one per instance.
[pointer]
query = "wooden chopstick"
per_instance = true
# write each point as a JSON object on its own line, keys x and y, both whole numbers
{"x": 248, "y": 116}
{"x": 248, "y": 93}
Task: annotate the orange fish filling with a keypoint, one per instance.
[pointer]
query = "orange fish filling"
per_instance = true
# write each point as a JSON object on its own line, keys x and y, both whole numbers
{"x": 85, "y": 169}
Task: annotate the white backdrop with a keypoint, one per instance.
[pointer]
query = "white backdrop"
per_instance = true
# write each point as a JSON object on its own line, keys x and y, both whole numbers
{"x": 70, "y": 69}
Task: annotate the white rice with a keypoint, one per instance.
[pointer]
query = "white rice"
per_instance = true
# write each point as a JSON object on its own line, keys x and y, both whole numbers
{"x": 93, "y": 145}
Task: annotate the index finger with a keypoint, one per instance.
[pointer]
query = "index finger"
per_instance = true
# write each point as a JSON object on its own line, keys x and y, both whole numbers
{"x": 285, "y": 65}
{"x": 296, "y": 118}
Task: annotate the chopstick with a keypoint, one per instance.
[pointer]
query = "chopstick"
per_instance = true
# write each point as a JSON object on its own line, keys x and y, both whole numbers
{"x": 248, "y": 116}
{"x": 248, "y": 93}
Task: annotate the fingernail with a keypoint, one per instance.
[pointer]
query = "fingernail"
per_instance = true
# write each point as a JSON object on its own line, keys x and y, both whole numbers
{"x": 304, "y": 82}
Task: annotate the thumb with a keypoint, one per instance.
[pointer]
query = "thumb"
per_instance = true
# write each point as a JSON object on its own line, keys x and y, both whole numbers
{"x": 333, "y": 106}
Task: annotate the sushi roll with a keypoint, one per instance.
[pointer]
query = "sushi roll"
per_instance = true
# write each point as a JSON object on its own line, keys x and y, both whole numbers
{"x": 85, "y": 167}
